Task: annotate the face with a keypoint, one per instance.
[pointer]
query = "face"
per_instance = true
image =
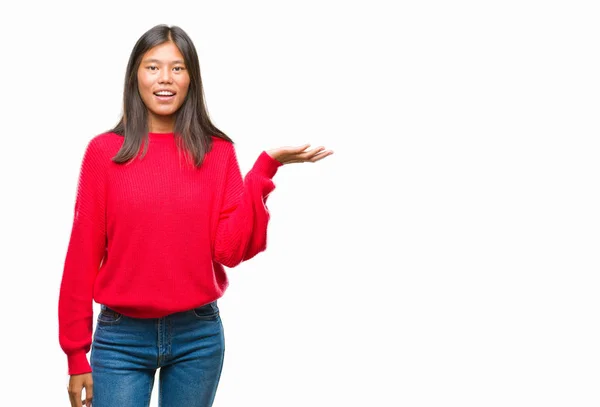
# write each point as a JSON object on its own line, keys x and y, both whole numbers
{"x": 163, "y": 83}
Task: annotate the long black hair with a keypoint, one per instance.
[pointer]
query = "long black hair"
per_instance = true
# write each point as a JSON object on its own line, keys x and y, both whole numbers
{"x": 192, "y": 122}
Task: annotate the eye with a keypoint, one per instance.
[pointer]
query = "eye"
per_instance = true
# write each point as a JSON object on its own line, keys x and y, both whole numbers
{"x": 151, "y": 68}
{"x": 178, "y": 68}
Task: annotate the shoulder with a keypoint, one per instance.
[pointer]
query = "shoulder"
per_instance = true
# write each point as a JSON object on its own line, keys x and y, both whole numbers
{"x": 108, "y": 143}
{"x": 104, "y": 140}
{"x": 222, "y": 148}
{"x": 102, "y": 147}
{"x": 221, "y": 143}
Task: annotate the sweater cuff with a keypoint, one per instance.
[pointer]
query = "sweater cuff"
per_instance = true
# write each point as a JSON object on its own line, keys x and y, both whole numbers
{"x": 266, "y": 165}
{"x": 78, "y": 363}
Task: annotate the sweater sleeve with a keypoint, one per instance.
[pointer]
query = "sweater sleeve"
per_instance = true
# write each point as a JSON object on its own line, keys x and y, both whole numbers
{"x": 86, "y": 249}
{"x": 244, "y": 216}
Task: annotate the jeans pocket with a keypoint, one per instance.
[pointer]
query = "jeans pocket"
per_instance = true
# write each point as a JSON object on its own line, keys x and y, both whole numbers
{"x": 207, "y": 312}
{"x": 108, "y": 316}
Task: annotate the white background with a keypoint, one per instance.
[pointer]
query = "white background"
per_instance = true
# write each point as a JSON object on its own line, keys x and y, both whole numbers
{"x": 446, "y": 254}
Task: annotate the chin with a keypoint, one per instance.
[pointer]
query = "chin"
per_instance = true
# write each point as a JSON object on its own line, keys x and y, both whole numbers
{"x": 163, "y": 112}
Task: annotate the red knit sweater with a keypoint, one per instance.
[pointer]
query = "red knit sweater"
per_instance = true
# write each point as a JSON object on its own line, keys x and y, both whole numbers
{"x": 151, "y": 237}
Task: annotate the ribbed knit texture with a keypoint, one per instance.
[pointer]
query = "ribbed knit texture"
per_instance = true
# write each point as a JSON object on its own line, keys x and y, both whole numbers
{"x": 151, "y": 237}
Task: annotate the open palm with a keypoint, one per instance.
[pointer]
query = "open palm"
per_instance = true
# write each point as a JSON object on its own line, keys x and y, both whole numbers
{"x": 301, "y": 154}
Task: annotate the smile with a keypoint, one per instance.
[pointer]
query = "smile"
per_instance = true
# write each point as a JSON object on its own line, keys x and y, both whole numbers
{"x": 164, "y": 95}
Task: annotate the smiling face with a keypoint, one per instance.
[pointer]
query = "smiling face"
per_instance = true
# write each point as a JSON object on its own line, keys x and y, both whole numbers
{"x": 163, "y": 83}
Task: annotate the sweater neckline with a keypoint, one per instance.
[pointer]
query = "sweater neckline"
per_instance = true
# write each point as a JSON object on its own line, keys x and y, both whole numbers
{"x": 160, "y": 136}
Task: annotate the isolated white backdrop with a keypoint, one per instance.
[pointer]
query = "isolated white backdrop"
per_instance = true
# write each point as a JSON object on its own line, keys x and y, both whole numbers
{"x": 446, "y": 254}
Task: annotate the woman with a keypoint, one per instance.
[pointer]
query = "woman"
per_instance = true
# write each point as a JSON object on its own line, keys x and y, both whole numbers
{"x": 153, "y": 229}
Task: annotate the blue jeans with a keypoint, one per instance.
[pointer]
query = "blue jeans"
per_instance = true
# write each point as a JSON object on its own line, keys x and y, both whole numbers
{"x": 187, "y": 347}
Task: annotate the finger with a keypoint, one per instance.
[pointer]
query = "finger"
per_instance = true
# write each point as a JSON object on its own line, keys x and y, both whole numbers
{"x": 316, "y": 158}
{"x": 308, "y": 154}
{"x": 89, "y": 394}
{"x": 312, "y": 154}
{"x": 299, "y": 149}
{"x": 315, "y": 151}
{"x": 321, "y": 155}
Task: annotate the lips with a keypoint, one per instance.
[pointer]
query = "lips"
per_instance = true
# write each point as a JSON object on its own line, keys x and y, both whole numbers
{"x": 164, "y": 95}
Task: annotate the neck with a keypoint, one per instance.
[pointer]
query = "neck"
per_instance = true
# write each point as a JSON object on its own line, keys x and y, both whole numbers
{"x": 161, "y": 124}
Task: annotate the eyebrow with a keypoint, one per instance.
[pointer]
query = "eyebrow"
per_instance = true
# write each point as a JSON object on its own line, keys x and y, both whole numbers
{"x": 158, "y": 61}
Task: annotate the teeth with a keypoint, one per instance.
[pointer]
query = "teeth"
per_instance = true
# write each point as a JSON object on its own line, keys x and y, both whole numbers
{"x": 164, "y": 93}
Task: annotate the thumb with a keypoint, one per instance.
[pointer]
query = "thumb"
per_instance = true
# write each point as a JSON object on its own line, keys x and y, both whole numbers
{"x": 302, "y": 147}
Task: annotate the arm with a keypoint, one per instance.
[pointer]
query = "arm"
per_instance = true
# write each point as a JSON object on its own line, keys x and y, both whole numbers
{"x": 85, "y": 252}
{"x": 243, "y": 218}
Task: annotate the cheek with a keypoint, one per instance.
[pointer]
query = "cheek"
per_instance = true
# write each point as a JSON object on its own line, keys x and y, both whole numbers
{"x": 184, "y": 85}
{"x": 144, "y": 85}
{"x": 183, "y": 92}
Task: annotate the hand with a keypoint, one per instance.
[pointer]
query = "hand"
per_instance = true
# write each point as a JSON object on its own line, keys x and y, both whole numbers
{"x": 288, "y": 155}
{"x": 76, "y": 385}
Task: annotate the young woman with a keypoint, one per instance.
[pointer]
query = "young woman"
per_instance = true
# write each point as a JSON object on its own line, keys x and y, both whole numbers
{"x": 161, "y": 208}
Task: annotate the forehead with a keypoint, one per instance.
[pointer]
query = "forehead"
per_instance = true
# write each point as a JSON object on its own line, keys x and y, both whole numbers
{"x": 165, "y": 52}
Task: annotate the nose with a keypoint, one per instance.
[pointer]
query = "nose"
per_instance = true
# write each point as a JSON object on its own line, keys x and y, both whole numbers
{"x": 165, "y": 76}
